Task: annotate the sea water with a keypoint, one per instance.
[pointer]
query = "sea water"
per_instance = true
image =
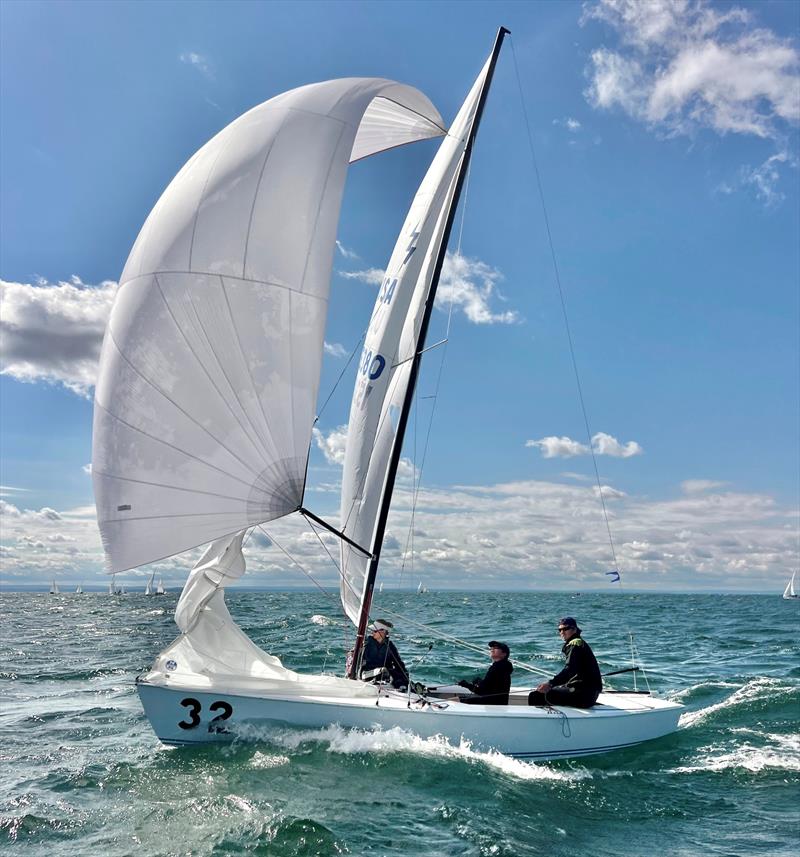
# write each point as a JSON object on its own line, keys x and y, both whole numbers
{"x": 83, "y": 774}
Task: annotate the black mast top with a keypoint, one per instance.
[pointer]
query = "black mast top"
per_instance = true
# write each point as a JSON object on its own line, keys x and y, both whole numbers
{"x": 386, "y": 497}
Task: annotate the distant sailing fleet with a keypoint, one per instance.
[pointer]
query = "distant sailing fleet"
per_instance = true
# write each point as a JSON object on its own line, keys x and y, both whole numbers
{"x": 118, "y": 589}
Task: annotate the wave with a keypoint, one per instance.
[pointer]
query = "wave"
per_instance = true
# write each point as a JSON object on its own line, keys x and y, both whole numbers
{"x": 318, "y": 619}
{"x": 756, "y": 690}
{"x": 397, "y": 740}
{"x": 782, "y": 755}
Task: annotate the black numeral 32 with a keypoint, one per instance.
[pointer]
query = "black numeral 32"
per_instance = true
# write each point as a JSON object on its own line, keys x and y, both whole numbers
{"x": 194, "y": 707}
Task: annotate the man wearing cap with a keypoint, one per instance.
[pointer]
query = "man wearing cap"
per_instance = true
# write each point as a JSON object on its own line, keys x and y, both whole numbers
{"x": 381, "y": 652}
{"x": 579, "y": 683}
{"x": 494, "y": 687}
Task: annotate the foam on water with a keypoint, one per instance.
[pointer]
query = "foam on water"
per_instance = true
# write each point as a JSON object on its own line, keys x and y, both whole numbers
{"x": 397, "y": 740}
{"x": 265, "y": 760}
{"x": 318, "y": 619}
{"x": 783, "y": 756}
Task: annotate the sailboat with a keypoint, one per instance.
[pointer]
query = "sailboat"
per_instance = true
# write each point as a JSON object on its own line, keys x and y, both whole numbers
{"x": 204, "y": 409}
{"x": 149, "y": 590}
{"x": 421, "y": 589}
{"x": 79, "y": 589}
{"x": 789, "y": 592}
{"x": 54, "y": 590}
{"x": 160, "y": 588}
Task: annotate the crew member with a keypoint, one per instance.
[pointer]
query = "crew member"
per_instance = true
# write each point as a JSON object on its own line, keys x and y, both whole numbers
{"x": 579, "y": 683}
{"x": 380, "y": 652}
{"x": 494, "y": 687}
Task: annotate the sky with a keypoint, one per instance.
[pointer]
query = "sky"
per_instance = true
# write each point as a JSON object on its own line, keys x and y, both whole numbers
{"x": 666, "y": 140}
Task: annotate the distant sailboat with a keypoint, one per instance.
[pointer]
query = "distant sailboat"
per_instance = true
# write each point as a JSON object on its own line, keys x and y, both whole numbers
{"x": 54, "y": 590}
{"x": 79, "y": 590}
{"x": 148, "y": 590}
{"x": 790, "y": 592}
{"x": 421, "y": 589}
{"x": 160, "y": 588}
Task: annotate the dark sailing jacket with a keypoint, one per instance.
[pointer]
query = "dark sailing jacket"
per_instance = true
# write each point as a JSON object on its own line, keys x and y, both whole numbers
{"x": 495, "y": 685}
{"x": 581, "y": 671}
{"x": 385, "y": 654}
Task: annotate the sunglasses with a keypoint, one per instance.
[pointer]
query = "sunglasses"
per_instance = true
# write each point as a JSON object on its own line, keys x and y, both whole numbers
{"x": 568, "y": 628}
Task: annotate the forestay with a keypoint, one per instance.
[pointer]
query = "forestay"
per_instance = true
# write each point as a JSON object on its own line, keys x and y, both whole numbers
{"x": 210, "y": 365}
{"x": 389, "y": 346}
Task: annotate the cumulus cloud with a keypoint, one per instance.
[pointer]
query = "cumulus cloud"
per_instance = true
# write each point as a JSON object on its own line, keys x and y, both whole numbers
{"x": 199, "y": 62}
{"x": 602, "y": 443}
{"x": 50, "y": 543}
{"x": 684, "y": 65}
{"x": 467, "y": 284}
{"x": 9, "y": 510}
{"x": 522, "y": 534}
{"x": 605, "y": 444}
{"x": 558, "y": 447}
{"x": 332, "y": 444}
{"x": 470, "y": 285}
{"x": 335, "y": 349}
{"x": 53, "y": 331}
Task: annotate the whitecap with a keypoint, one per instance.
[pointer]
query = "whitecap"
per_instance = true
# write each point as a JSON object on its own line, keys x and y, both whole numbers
{"x": 784, "y": 757}
{"x": 240, "y": 803}
{"x": 317, "y": 619}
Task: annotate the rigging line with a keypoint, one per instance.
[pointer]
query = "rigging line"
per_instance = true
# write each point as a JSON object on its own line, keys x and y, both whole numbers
{"x": 293, "y": 560}
{"x": 564, "y": 311}
{"x": 463, "y": 643}
{"x": 324, "y": 546}
{"x": 341, "y": 375}
{"x": 339, "y": 571}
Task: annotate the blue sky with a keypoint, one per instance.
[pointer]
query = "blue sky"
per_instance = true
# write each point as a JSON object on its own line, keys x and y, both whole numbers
{"x": 667, "y": 141}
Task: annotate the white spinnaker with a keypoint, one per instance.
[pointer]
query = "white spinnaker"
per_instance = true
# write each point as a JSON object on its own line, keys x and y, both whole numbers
{"x": 390, "y": 343}
{"x": 210, "y": 366}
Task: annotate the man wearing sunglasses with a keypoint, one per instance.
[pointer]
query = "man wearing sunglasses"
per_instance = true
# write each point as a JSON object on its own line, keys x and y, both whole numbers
{"x": 579, "y": 683}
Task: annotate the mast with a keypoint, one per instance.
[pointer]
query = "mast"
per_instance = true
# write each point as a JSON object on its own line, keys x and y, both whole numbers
{"x": 394, "y": 461}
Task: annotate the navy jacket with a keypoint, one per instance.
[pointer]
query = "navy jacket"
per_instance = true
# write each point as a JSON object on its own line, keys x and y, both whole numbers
{"x": 495, "y": 685}
{"x": 581, "y": 671}
{"x": 385, "y": 654}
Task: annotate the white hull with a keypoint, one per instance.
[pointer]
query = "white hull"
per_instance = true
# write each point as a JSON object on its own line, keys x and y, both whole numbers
{"x": 622, "y": 720}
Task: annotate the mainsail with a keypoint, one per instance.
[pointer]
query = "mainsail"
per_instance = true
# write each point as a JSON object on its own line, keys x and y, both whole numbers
{"x": 210, "y": 365}
{"x": 391, "y": 348}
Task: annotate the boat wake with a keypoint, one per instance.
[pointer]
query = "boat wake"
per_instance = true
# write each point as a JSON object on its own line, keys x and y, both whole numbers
{"x": 397, "y": 740}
